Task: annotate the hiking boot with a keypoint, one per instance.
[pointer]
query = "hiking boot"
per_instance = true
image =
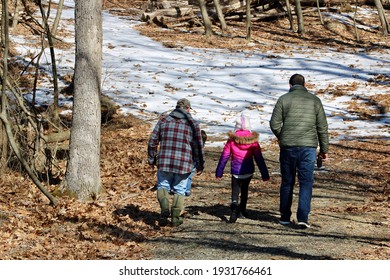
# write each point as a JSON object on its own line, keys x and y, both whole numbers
{"x": 284, "y": 223}
{"x": 243, "y": 214}
{"x": 235, "y": 212}
{"x": 303, "y": 225}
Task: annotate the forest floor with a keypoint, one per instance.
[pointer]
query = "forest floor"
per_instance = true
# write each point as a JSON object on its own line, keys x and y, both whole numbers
{"x": 350, "y": 215}
{"x": 348, "y": 220}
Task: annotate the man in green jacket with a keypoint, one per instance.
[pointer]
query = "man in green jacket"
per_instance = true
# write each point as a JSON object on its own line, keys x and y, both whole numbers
{"x": 299, "y": 122}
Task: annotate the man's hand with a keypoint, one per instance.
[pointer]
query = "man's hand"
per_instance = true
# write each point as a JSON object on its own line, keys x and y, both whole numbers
{"x": 324, "y": 156}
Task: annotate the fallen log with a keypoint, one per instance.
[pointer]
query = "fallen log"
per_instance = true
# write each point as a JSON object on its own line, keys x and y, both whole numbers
{"x": 257, "y": 17}
{"x": 173, "y": 12}
{"x": 57, "y": 136}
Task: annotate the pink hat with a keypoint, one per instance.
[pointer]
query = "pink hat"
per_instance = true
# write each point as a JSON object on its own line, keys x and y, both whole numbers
{"x": 243, "y": 122}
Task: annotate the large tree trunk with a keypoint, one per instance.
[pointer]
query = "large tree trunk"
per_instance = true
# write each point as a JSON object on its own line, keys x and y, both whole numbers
{"x": 83, "y": 170}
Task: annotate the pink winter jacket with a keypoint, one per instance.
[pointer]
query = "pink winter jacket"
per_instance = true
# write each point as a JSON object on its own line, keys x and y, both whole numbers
{"x": 242, "y": 146}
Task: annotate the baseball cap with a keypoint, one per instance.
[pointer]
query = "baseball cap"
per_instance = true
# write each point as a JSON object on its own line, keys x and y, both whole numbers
{"x": 183, "y": 103}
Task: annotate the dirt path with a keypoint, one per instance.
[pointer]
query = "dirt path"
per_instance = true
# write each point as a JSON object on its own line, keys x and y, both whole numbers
{"x": 347, "y": 223}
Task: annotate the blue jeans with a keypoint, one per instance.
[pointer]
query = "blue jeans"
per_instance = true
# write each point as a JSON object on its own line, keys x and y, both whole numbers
{"x": 172, "y": 182}
{"x": 295, "y": 160}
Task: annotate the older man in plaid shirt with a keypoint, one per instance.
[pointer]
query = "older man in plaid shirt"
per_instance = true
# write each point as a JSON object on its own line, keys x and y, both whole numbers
{"x": 181, "y": 148}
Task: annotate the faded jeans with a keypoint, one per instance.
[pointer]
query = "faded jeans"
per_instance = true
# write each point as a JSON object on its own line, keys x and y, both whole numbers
{"x": 301, "y": 161}
{"x": 172, "y": 182}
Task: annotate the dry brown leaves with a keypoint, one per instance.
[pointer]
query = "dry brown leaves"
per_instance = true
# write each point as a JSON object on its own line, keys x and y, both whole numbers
{"x": 112, "y": 227}
{"x": 118, "y": 223}
{"x": 363, "y": 166}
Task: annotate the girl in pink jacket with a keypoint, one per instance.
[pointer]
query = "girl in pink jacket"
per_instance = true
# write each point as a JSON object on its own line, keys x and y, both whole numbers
{"x": 242, "y": 146}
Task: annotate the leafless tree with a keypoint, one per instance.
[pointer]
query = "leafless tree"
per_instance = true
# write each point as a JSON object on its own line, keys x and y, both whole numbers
{"x": 4, "y": 77}
{"x": 354, "y": 21}
{"x": 290, "y": 17}
{"x": 6, "y": 126}
{"x": 319, "y": 12}
{"x": 382, "y": 16}
{"x": 221, "y": 17}
{"x": 15, "y": 17}
{"x": 298, "y": 10}
{"x": 82, "y": 177}
{"x": 248, "y": 20}
{"x": 49, "y": 36}
{"x": 57, "y": 18}
{"x": 206, "y": 19}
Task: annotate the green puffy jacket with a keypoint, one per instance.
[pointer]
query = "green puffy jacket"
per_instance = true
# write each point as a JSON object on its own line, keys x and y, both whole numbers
{"x": 299, "y": 120}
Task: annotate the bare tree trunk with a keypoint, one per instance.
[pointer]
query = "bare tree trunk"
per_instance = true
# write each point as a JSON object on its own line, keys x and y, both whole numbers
{"x": 58, "y": 17}
{"x": 382, "y": 17}
{"x": 290, "y": 17}
{"x": 15, "y": 18}
{"x": 248, "y": 20}
{"x": 82, "y": 177}
{"x": 38, "y": 57}
{"x": 2, "y": 23}
{"x": 54, "y": 107}
{"x": 3, "y": 147}
{"x": 298, "y": 9}
{"x": 220, "y": 15}
{"x": 319, "y": 12}
{"x": 4, "y": 78}
{"x": 354, "y": 22}
{"x": 206, "y": 20}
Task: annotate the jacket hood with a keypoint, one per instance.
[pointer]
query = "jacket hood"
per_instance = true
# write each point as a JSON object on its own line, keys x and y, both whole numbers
{"x": 244, "y": 136}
